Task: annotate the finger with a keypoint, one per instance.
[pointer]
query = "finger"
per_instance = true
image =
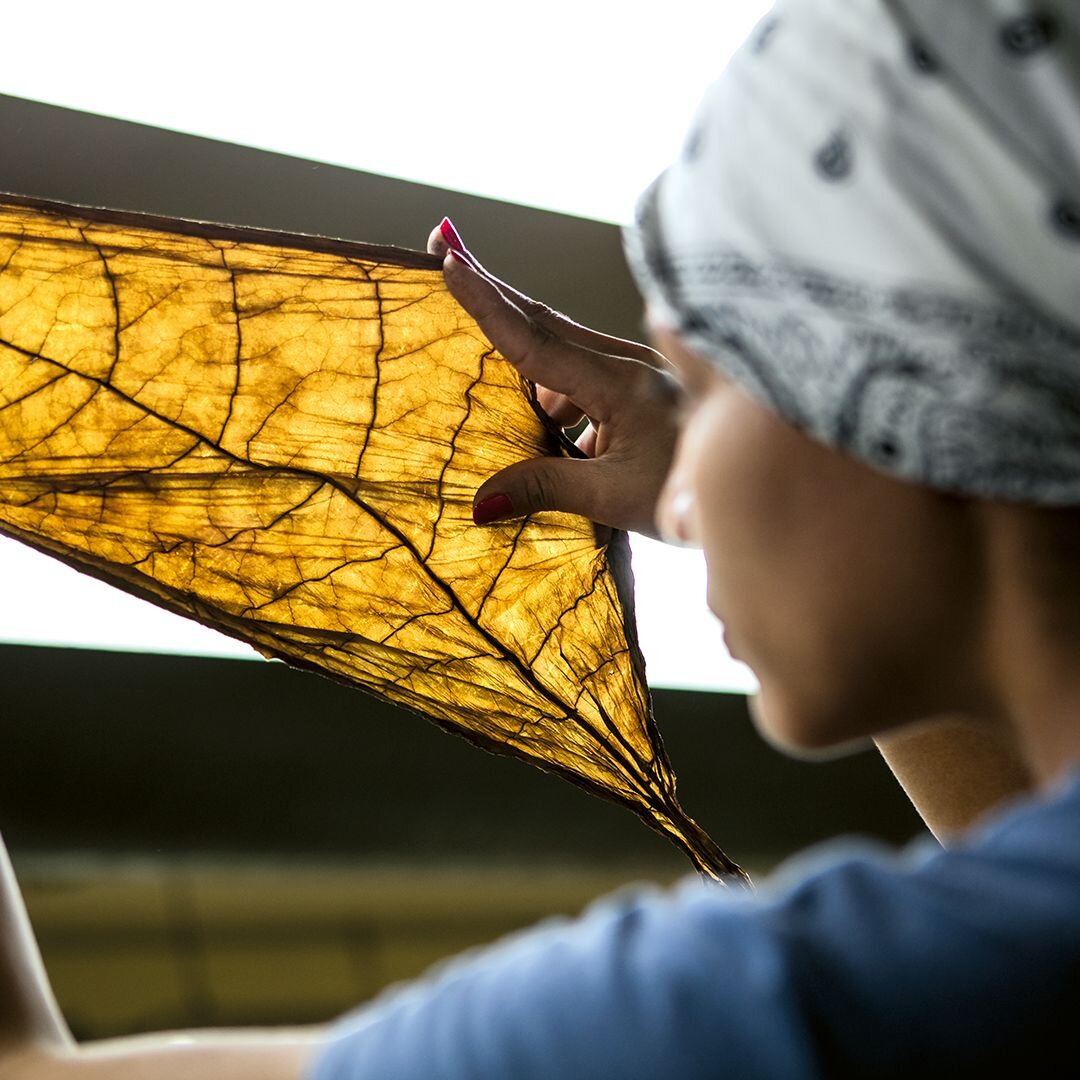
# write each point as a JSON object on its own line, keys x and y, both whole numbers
{"x": 590, "y": 487}
{"x": 526, "y": 487}
{"x": 565, "y": 327}
{"x": 559, "y": 407}
{"x": 445, "y": 237}
{"x": 584, "y": 376}
{"x": 586, "y": 441}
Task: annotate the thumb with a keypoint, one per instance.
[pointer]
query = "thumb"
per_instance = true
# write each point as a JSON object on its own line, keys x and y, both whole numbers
{"x": 571, "y": 485}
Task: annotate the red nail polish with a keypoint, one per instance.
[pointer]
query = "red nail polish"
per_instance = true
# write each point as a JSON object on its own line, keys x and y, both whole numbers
{"x": 450, "y": 235}
{"x": 493, "y": 508}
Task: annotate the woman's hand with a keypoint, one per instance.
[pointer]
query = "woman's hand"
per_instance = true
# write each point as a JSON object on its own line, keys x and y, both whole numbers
{"x": 625, "y": 390}
{"x": 273, "y": 1054}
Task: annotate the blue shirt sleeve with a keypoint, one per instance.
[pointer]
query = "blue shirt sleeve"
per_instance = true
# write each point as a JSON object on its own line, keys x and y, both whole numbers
{"x": 864, "y": 965}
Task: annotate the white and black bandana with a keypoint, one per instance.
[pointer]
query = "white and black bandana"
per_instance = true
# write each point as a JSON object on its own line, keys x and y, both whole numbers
{"x": 874, "y": 227}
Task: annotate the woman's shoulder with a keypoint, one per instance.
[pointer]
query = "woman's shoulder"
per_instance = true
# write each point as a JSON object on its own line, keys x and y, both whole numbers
{"x": 1050, "y": 816}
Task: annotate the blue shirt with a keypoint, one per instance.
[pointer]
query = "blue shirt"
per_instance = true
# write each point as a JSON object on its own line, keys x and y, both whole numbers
{"x": 852, "y": 962}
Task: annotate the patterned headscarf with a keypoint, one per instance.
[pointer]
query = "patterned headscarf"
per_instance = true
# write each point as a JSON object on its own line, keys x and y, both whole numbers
{"x": 874, "y": 227}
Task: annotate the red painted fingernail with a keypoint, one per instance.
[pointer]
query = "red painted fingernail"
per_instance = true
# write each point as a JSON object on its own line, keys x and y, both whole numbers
{"x": 493, "y": 508}
{"x": 450, "y": 235}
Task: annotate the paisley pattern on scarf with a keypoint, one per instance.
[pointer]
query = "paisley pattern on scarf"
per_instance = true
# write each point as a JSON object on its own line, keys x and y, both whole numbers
{"x": 873, "y": 229}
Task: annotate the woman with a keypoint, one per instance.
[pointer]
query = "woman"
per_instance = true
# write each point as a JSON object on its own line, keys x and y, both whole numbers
{"x": 861, "y": 280}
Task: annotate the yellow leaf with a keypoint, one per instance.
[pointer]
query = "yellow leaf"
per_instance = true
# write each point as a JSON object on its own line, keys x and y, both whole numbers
{"x": 280, "y": 436}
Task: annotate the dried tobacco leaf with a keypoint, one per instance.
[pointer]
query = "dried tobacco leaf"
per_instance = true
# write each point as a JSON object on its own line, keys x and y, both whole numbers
{"x": 280, "y": 437}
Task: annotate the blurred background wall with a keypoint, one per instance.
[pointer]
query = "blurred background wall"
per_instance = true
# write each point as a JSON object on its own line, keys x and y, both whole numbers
{"x": 209, "y": 841}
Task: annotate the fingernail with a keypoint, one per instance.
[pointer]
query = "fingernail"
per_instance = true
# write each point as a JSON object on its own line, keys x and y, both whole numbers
{"x": 493, "y": 508}
{"x": 450, "y": 235}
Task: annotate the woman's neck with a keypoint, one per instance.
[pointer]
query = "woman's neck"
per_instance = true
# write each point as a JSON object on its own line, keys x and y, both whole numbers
{"x": 1032, "y": 641}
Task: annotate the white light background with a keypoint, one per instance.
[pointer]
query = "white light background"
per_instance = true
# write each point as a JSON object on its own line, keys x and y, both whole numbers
{"x": 569, "y": 106}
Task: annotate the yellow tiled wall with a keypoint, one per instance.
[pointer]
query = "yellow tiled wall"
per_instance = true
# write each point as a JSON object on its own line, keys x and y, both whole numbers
{"x": 147, "y": 946}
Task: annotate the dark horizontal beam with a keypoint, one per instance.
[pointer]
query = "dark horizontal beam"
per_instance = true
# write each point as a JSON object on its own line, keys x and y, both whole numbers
{"x": 138, "y": 752}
